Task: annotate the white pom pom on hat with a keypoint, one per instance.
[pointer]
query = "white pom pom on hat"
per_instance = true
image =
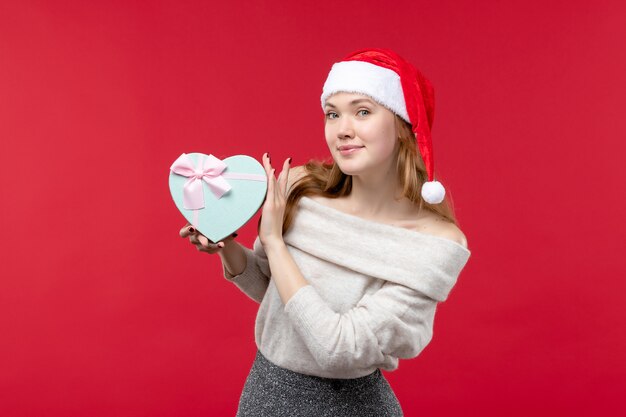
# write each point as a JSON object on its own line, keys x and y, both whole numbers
{"x": 396, "y": 84}
{"x": 433, "y": 192}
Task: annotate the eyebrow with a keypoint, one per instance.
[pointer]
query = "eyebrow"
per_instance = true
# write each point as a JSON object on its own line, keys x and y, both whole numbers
{"x": 353, "y": 102}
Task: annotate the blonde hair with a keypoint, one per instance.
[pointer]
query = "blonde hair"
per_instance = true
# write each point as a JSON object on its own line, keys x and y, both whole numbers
{"x": 326, "y": 179}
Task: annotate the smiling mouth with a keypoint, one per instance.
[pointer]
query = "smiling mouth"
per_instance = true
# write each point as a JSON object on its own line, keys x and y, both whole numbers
{"x": 348, "y": 151}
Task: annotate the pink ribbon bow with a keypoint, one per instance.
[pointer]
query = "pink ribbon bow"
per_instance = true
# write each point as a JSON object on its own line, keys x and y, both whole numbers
{"x": 209, "y": 170}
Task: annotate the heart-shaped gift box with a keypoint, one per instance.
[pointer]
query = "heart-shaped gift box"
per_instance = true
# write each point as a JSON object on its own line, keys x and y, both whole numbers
{"x": 217, "y": 197}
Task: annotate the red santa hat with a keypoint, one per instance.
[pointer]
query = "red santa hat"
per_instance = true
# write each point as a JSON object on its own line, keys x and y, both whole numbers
{"x": 396, "y": 84}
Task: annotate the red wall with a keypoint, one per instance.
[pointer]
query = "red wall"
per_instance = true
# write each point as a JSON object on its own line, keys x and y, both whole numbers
{"x": 105, "y": 311}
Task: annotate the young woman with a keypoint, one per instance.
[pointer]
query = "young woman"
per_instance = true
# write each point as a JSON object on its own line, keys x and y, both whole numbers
{"x": 352, "y": 256}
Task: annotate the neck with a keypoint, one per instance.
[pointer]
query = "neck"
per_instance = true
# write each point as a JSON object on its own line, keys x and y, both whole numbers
{"x": 377, "y": 194}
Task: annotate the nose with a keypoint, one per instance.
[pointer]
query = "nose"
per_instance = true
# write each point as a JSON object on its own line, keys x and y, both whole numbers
{"x": 346, "y": 130}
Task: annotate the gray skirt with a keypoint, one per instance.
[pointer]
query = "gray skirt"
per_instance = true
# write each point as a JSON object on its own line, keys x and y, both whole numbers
{"x": 273, "y": 391}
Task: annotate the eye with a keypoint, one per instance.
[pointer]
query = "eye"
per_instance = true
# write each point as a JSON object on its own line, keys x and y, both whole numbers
{"x": 364, "y": 110}
{"x": 330, "y": 114}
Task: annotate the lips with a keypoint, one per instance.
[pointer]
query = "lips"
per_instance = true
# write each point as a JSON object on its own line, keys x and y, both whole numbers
{"x": 349, "y": 149}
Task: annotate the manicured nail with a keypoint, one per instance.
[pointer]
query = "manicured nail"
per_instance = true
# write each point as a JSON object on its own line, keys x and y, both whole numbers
{"x": 234, "y": 234}
{"x": 289, "y": 161}
{"x": 191, "y": 230}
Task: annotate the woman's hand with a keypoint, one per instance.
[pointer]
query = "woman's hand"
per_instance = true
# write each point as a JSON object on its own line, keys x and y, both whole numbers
{"x": 271, "y": 225}
{"x": 201, "y": 242}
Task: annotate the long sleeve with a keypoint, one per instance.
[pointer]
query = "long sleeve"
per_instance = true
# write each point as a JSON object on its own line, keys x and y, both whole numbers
{"x": 254, "y": 279}
{"x": 394, "y": 321}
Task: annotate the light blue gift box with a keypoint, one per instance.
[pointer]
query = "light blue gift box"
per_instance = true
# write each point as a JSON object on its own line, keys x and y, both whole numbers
{"x": 223, "y": 215}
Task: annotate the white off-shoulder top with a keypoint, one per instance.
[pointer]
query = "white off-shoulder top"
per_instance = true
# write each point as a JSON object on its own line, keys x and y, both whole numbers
{"x": 371, "y": 299}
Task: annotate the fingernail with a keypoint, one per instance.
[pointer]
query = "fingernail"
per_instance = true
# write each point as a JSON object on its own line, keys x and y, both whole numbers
{"x": 289, "y": 161}
{"x": 235, "y": 234}
{"x": 221, "y": 245}
{"x": 268, "y": 155}
{"x": 191, "y": 230}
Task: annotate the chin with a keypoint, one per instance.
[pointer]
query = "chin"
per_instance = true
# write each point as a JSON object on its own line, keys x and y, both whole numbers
{"x": 349, "y": 167}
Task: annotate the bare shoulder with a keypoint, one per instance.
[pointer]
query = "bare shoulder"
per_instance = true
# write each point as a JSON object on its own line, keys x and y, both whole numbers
{"x": 437, "y": 225}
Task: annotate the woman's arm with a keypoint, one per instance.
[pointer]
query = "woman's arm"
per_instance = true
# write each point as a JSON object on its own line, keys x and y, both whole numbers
{"x": 285, "y": 272}
{"x": 233, "y": 258}
{"x": 242, "y": 266}
{"x": 250, "y": 269}
{"x": 394, "y": 322}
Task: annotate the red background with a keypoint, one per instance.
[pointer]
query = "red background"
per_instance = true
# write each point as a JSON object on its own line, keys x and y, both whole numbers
{"x": 105, "y": 311}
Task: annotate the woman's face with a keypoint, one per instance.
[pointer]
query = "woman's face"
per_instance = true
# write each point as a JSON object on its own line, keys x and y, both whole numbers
{"x": 360, "y": 133}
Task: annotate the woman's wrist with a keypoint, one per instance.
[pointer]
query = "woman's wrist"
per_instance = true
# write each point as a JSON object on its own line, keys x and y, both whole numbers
{"x": 273, "y": 245}
{"x": 233, "y": 257}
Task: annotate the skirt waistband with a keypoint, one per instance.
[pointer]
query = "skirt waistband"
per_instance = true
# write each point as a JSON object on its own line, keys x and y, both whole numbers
{"x": 299, "y": 380}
